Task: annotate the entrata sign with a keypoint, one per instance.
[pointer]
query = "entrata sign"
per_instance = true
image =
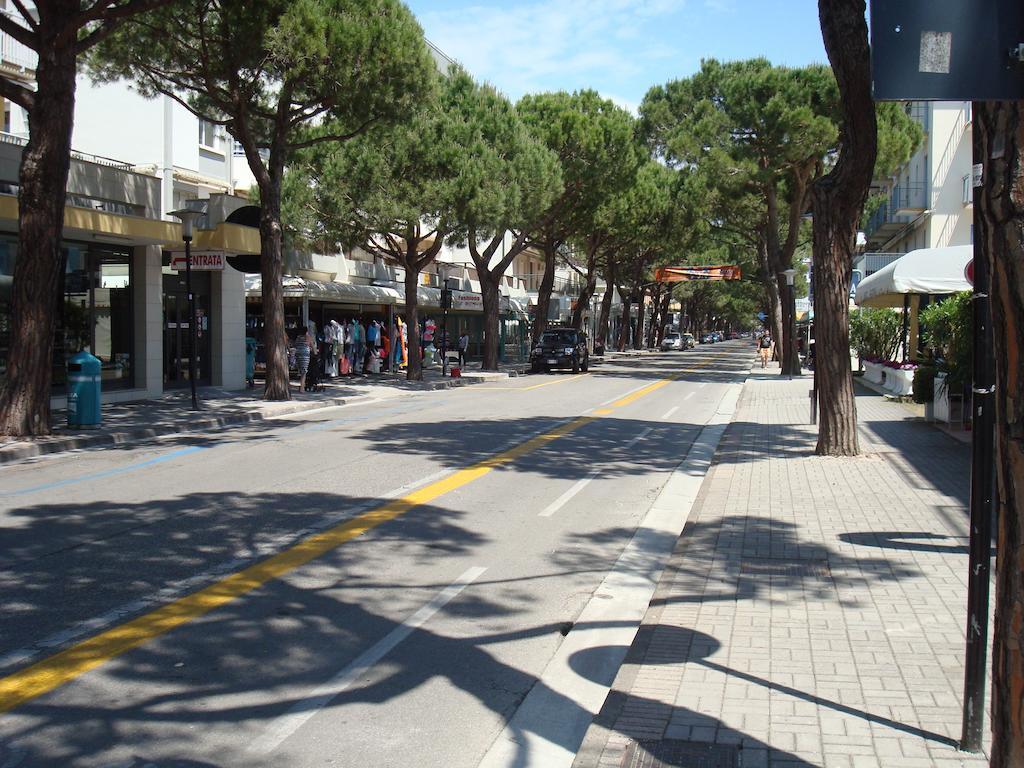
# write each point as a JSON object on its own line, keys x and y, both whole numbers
{"x": 204, "y": 262}
{"x": 685, "y": 274}
{"x": 969, "y": 272}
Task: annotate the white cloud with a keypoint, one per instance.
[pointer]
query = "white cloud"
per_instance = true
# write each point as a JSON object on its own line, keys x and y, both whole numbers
{"x": 548, "y": 44}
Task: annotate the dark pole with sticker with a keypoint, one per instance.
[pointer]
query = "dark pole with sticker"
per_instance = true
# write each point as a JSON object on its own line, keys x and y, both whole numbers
{"x": 982, "y": 473}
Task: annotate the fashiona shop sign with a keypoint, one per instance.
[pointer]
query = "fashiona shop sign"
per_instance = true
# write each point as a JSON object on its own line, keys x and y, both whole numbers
{"x": 205, "y": 262}
{"x": 467, "y": 301}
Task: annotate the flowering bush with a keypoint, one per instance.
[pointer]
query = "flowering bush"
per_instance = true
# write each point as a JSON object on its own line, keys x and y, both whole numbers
{"x": 875, "y": 334}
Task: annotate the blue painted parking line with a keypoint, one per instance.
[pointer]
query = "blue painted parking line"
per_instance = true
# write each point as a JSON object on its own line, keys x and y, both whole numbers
{"x": 101, "y": 475}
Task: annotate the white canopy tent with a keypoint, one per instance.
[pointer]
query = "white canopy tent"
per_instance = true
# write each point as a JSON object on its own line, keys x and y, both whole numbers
{"x": 926, "y": 271}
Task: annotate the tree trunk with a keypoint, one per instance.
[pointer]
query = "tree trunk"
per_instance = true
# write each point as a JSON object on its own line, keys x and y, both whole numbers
{"x": 544, "y": 292}
{"x": 414, "y": 368}
{"x": 272, "y": 274}
{"x": 641, "y": 312}
{"x": 1001, "y": 207}
{"x": 652, "y": 329}
{"x": 771, "y": 289}
{"x": 583, "y": 300}
{"x": 491, "y": 301}
{"x": 785, "y": 346}
{"x": 601, "y": 336}
{"x": 627, "y": 309}
{"x": 666, "y": 302}
{"x": 838, "y": 202}
{"x": 39, "y": 267}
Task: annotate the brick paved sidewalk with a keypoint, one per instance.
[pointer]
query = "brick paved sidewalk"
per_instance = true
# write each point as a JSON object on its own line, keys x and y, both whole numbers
{"x": 813, "y": 611}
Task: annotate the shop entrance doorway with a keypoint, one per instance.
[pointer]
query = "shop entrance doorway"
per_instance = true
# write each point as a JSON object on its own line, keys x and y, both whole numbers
{"x": 177, "y": 335}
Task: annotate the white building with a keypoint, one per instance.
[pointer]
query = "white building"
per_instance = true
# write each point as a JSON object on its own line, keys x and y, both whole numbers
{"x": 928, "y": 201}
{"x": 133, "y": 161}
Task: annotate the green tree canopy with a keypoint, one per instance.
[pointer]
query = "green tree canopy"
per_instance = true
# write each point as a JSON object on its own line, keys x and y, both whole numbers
{"x": 402, "y": 192}
{"x": 767, "y": 131}
{"x": 270, "y": 71}
{"x": 598, "y": 153}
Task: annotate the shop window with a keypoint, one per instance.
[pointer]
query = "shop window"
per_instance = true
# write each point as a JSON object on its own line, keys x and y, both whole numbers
{"x": 95, "y": 312}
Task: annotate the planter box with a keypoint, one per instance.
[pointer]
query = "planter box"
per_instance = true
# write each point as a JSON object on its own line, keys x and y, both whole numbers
{"x": 873, "y": 372}
{"x": 898, "y": 382}
{"x": 947, "y": 407}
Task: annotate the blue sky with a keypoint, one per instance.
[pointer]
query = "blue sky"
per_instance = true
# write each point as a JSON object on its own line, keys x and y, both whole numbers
{"x": 618, "y": 47}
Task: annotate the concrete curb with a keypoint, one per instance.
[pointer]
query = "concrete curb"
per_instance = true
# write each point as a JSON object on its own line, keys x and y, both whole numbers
{"x": 606, "y": 627}
{"x": 59, "y": 444}
{"x": 28, "y": 450}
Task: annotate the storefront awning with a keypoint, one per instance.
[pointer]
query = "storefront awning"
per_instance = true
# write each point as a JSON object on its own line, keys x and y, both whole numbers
{"x": 932, "y": 271}
{"x": 345, "y": 293}
{"x": 103, "y": 225}
{"x": 351, "y": 293}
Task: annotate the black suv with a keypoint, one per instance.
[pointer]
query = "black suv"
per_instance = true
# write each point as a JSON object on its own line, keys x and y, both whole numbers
{"x": 560, "y": 348}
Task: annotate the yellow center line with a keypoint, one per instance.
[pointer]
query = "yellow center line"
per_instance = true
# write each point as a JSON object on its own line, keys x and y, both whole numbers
{"x": 524, "y": 389}
{"x": 63, "y": 667}
{"x": 558, "y": 381}
{"x": 71, "y": 663}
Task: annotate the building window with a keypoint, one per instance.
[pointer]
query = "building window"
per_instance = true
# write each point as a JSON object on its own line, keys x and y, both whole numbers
{"x": 96, "y": 313}
{"x": 968, "y": 191}
{"x": 209, "y": 135}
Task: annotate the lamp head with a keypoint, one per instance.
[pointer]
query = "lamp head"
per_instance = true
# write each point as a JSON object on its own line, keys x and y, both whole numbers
{"x": 187, "y": 216}
{"x": 789, "y": 274}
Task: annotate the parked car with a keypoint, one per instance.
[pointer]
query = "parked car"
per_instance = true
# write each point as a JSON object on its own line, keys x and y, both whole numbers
{"x": 560, "y": 348}
{"x": 688, "y": 341}
{"x": 733, "y": 336}
{"x": 672, "y": 342}
{"x": 707, "y": 338}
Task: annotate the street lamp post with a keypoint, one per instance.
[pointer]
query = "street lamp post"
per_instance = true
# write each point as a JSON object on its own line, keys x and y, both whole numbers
{"x": 446, "y": 303}
{"x": 789, "y": 275}
{"x": 188, "y": 216}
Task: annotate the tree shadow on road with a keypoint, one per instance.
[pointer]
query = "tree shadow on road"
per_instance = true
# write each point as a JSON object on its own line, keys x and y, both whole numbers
{"x": 234, "y": 672}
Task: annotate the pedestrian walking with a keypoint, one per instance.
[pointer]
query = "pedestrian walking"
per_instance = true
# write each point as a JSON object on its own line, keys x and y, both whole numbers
{"x": 765, "y": 349}
{"x": 463, "y": 348}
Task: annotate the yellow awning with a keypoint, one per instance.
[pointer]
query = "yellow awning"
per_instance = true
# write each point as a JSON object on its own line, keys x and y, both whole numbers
{"x": 133, "y": 230}
{"x": 87, "y": 222}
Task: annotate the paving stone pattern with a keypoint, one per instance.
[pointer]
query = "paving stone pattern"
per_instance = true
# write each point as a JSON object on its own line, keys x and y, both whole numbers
{"x": 813, "y": 612}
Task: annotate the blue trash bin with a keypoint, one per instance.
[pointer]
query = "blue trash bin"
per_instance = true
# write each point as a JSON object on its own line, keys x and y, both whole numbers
{"x": 83, "y": 390}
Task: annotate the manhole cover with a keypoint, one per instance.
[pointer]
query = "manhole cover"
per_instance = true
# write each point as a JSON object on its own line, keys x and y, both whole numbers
{"x": 672, "y": 753}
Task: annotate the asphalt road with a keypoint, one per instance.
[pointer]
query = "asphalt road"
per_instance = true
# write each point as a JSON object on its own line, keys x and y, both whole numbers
{"x": 373, "y": 585}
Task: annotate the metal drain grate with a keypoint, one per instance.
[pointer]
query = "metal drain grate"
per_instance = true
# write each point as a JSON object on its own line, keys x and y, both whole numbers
{"x": 817, "y": 569}
{"x": 672, "y": 753}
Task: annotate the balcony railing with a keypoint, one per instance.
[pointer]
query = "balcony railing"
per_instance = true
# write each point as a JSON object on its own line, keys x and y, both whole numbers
{"x": 14, "y": 54}
{"x": 85, "y": 157}
{"x": 908, "y": 198}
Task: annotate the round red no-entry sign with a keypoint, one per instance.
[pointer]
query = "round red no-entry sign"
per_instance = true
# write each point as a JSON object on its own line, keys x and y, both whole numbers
{"x": 969, "y": 271}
